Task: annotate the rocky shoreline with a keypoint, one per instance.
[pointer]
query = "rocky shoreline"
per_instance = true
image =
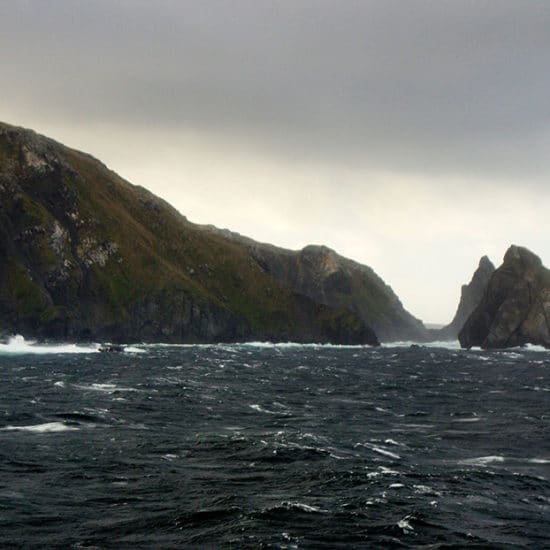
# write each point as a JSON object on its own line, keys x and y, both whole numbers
{"x": 87, "y": 256}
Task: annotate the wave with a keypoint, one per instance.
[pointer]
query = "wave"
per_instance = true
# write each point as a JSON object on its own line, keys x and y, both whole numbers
{"x": 133, "y": 349}
{"x": 482, "y": 460}
{"x": 48, "y": 427}
{"x": 533, "y": 347}
{"x": 300, "y": 345}
{"x": 106, "y": 388}
{"x": 455, "y": 346}
{"x": 379, "y": 449}
{"x": 441, "y": 344}
{"x": 486, "y": 460}
{"x": 446, "y": 344}
{"x": 18, "y": 345}
{"x": 292, "y": 507}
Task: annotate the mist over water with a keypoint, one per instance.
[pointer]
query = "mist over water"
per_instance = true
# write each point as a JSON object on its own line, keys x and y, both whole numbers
{"x": 284, "y": 446}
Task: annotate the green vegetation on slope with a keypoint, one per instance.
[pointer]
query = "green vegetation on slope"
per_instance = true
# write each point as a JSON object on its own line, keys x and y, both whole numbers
{"x": 106, "y": 258}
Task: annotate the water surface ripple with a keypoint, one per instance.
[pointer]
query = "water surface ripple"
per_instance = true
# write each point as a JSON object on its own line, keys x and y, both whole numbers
{"x": 251, "y": 446}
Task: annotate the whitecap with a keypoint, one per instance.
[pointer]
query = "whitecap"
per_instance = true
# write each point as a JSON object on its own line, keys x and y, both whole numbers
{"x": 261, "y": 345}
{"x": 338, "y": 457}
{"x": 18, "y": 345}
{"x": 450, "y": 344}
{"x": 405, "y": 524}
{"x": 482, "y": 460}
{"x": 393, "y": 442}
{"x": 259, "y": 408}
{"x": 170, "y": 456}
{"x": 533, "y": 347}
{"x": 298, "y": 345}
{"x": 107, "y": 388}
{"x": 133, "y": 349}
{"x": 304, "y": 507}
{"x": 425, "y": 490}
{"x": 48, "y": 427}
{"x": 379, "y": 450}
{"x": 385, "y": 452}
{"x": 512, "y": 354}
{"x": 388, "y": 471}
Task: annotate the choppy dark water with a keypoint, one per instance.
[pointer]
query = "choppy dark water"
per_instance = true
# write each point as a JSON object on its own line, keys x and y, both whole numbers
{"x": 284, "y": 447}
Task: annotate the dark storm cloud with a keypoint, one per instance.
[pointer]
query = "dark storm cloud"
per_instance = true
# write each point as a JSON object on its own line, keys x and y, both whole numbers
{"x": 458, "y": 87}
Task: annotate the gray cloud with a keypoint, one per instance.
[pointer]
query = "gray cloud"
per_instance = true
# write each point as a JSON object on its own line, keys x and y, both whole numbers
{"x": 443, "y": 86}
{"x": 413, "y": 136}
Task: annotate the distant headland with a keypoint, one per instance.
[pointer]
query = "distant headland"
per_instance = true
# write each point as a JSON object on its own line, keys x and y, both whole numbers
{"x": 87, "y": 256}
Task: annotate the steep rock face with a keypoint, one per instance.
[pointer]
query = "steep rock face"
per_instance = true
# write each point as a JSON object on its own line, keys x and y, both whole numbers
{"x": 515, "y": 309}
{"x": 470, "y": 296}
{"x": 331, "y": 279}
{"x": 86, "y": 255}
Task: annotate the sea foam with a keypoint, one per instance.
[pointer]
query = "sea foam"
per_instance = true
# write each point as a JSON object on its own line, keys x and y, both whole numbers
{"x": 48, "y": 427}
{"x": 482, "y": 460}
{"x": 18, "y": 345}
{"x": 451, "y": 344}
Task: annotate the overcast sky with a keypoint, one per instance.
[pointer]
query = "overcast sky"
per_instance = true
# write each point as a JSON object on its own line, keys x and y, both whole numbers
{"x": 413, "y": 136}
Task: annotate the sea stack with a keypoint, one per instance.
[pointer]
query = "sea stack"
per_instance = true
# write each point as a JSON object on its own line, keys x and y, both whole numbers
{"x": 470, "y": 296}
{"x": 515, "y": 309}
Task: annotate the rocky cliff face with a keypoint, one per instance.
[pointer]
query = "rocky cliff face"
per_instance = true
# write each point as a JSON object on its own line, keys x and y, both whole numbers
{"x": 86, "y": 255}
{"x": 470, "y": 296}
{"x": 328, "y": 278}
{"x": 515, "y": 309}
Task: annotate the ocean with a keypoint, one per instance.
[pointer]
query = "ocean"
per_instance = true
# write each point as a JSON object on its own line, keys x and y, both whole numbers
{"x": 274, "y": 446}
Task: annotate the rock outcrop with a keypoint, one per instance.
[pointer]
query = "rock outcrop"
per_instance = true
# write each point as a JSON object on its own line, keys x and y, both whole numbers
{"x": 328, "y": 278}
{"x": 85, "y": 255}
{"x": 515, "y": 309}
{"x": 470, "y": 296}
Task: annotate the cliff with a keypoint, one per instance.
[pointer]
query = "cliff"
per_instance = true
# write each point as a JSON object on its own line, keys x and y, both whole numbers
{"x": 85, "y": 255}
{"x": 328, "y": 278}
{"x": 470, "y": 296}
{"x": 515, "y": 309}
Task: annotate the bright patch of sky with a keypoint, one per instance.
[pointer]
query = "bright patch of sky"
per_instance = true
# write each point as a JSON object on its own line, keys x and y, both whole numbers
{"x": 410, "y": 136}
